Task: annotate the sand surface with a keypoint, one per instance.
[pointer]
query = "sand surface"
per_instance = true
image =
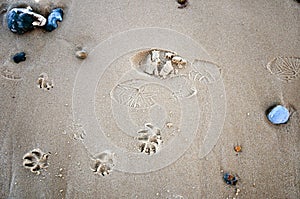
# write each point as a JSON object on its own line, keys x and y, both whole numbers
{"x": 100, "y": 106}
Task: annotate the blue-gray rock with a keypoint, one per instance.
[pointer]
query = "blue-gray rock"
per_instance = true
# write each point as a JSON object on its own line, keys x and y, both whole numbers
{"x": 19, "y": 57}
{"x": 55, "y": 16}
{"x": 21, "y": 20}
{"x": 279, "y": 115}
{"x": 230, "y": 179}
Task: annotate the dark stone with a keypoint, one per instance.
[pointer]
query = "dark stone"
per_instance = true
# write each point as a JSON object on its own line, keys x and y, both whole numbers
{"x": 55, "y": 16}
{"x": 19, "y": 22}
{"x": 19, "y": 57}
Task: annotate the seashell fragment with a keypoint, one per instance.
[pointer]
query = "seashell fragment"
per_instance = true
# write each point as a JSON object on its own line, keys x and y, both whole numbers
{"x": 55, "y": 16}
{"x": 19, "y": 57}
{"x": 285, "y": 68}
{"x": 166, "y": 69}
{"x": 21, "y": 20}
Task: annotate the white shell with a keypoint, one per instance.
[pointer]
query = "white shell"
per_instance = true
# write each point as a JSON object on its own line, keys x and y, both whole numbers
{"x": 155, "y": 56}
{"x": 167, "y": 69}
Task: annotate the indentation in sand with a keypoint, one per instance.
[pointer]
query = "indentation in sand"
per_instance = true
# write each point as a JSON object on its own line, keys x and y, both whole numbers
{"x": 285, "y": 68}
{"x": 115, "y": 96}
{"x": 150, "y": 139}
{"x": 10, "y": 75}
{"x": 103, "y": 163}
{"x": 35, "y": 160}
{"x": 44, "y": 82}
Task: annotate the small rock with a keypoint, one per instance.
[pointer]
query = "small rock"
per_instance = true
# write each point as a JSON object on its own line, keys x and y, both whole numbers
{"x": 55, "y": 16}
{"x": 183, "y": 3}
{"x": 19, "y": 57}
{"x": 230, "y": 179}
{"x": 278, "y": 115}
{"x": 238, "y": 148}
{"x": 81, "y": 54}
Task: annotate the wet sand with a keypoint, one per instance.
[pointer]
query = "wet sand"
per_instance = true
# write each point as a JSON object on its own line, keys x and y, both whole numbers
{"x": 240, "y": 38}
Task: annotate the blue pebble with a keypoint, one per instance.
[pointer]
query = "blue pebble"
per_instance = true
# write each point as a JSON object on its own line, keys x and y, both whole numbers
{"x": 55, "y": 16}
{"x": 279, "y": 115}
{"x": 19, "y": 22}
{"x": 230, "y": 179}
{"x": 19, "y": 57}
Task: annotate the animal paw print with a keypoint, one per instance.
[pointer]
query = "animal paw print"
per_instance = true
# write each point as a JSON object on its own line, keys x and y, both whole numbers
{"x": 150, "y": 139}
{"x": 103, "y": 163}
{"x": 35, "y": 160}
{"x": 44, "y": 82}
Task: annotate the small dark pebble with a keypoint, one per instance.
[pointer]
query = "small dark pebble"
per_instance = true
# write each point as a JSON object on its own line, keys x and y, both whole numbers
{"x": 183, "y": 3}
{"x": 230, "y": 179}
{"x": 55, "y": 16}
{"x": 19, "y": 57}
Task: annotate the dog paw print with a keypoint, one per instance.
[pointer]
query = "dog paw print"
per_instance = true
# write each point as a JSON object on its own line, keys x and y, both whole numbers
{"x": 150, "y": 139}
{"x": 103, "y": 163}
{"x": 44, "y": 82}
{"x": 35, "y": 160}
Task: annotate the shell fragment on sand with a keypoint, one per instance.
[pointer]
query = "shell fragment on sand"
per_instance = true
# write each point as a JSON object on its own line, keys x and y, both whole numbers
{"x": 278, "y": 115}
{"x": 21, "y": 20}
{"x": 55, "y": 16}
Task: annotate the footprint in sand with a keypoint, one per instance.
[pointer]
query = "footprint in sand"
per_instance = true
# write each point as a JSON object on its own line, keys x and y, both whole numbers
{"x": 44, "y": 82}
{"x": 145, "y": 81}
{"x": 10, "y": 75}
{"x": 150, "y": 139}
{"x": 285, "y": 68}
{"x": 35, "y": 160}
{"x": 103, "y": 163}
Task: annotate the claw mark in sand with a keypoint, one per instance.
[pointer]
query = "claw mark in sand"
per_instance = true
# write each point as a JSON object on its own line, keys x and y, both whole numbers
{"x": 285, "y": 68}
{"x": 35, "y": 160}
{"x": 132, "y": 93}
{"x": 103, "y": 163}
{"x": 150, "y": 139}
{"x": 44, "y": 82}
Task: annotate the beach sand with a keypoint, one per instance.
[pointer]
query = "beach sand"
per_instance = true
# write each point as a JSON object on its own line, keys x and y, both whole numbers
{"x": 84, "y": 114}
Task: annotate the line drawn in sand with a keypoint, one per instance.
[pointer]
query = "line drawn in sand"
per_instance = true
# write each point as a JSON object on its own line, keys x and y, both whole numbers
{"x": 132, "y": 93}
{"x": 150, "y": 139}
{"x": 285, "y": 68}
{"x": 103, "y": 163}
{"x": 8, "y": 74}
{"x": 35, "y": 160}
{"x": 205, "y": 72}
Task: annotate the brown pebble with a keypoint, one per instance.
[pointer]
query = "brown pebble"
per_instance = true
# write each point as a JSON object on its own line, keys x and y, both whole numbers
{"x": 238, "y": 148}
{"x": 81, "y": 54}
